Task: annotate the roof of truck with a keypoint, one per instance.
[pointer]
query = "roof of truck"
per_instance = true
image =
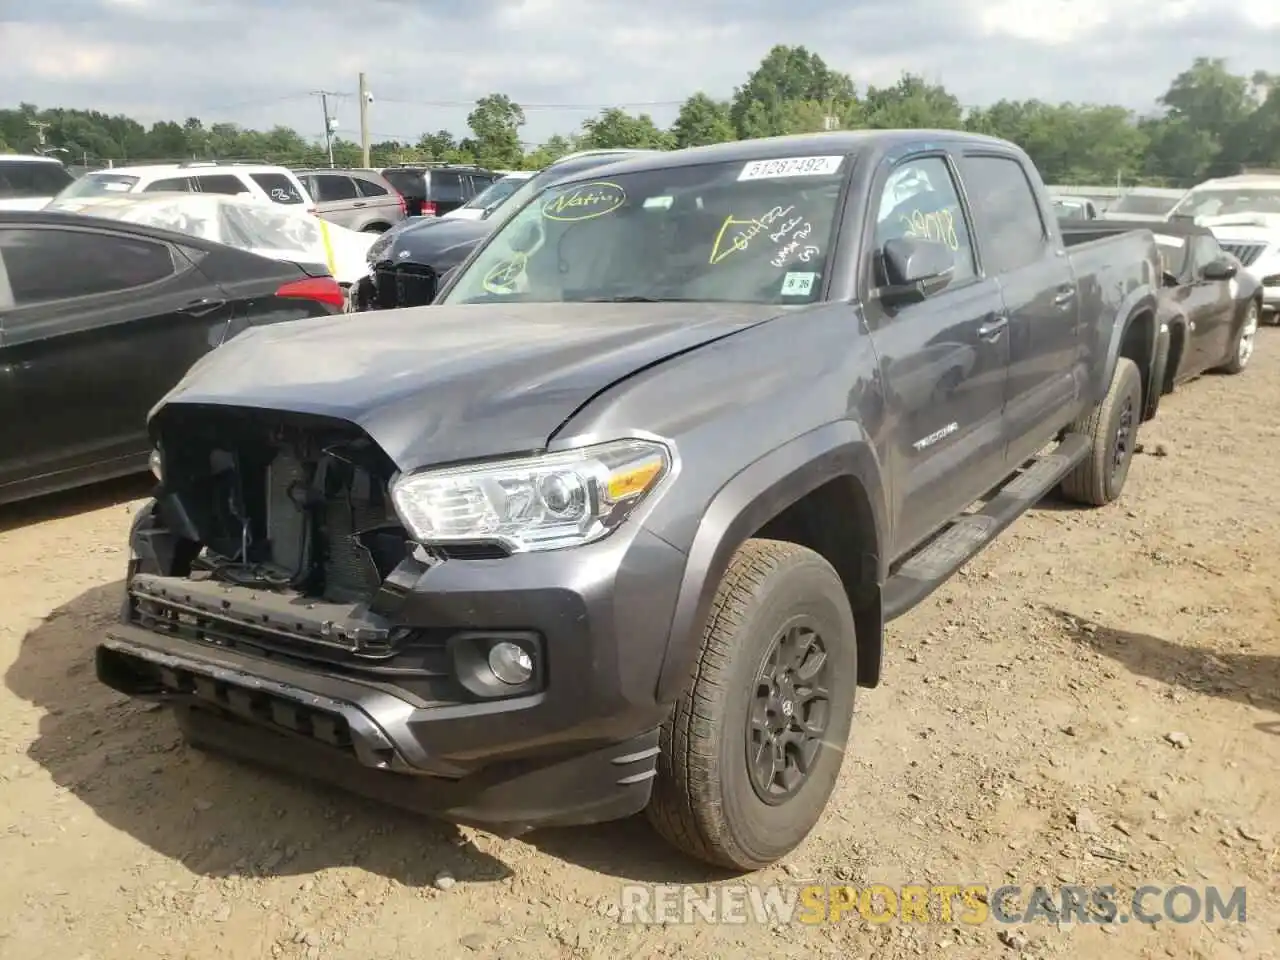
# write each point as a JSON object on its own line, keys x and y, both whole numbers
{"x": 834, "y": 143}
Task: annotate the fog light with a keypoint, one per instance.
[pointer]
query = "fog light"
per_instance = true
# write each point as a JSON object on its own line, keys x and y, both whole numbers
{"x": 510, "y": 663}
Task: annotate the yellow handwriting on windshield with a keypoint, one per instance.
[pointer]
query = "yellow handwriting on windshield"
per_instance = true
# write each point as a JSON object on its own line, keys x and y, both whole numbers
{"x": 736, "y": 233}
{"x": 585, "y": 202}
{"x": 503, "y": 277}
{"x": 938, "y": 226}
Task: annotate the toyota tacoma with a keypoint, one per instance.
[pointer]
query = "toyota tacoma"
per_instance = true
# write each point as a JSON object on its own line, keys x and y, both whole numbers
{"x": 618, "y": 523}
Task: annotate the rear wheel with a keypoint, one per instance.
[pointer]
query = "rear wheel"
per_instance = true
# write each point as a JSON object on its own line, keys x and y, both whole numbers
{"x": 752, "y": 750}
{"x": 1112, "y": 426}
{"x": 1246, "y": 336}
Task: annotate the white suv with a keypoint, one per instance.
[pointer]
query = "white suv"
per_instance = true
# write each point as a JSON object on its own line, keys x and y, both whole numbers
{"x": 258, "y": 181}
{"x": 28, "y": 183}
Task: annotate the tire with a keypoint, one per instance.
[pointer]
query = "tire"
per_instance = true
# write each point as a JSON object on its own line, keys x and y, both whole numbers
{"x": 1099, "y": 479}
{"x": 704, "y": 799}
{"x": 1242, "y": 345}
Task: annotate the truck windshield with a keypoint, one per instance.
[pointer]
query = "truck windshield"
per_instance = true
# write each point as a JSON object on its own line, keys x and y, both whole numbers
{"x": 747, "y": 232}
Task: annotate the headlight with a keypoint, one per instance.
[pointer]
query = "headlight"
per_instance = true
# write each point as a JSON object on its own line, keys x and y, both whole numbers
{"x": 538, "y": 503}
{"x": 155, "y": 464}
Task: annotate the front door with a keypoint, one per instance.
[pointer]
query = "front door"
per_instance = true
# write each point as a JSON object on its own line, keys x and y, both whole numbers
{"x": 944, "y": 360}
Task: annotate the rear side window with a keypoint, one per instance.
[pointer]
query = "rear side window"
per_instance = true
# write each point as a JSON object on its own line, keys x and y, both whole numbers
{"x": 408, "y": 182}
{"x": 329, "y": 187}
{"x": 27, "y": 179}
{"x": 173, "y": 184}
{"x": 277, "y": 186}
{"x": 224, "y": 183}
{"x": 36, "y": 262}
{"x": 1011, "y": 232}
{"x": 369, "y": 188}
{"x": 446, "y": 187}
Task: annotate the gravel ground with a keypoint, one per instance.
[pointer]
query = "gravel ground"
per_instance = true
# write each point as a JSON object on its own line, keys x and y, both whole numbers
{"x": 1095, "y": 700}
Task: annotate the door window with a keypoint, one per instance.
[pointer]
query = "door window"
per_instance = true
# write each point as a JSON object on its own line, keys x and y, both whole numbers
{"x": 446, "y": 187}
{"x": 370, "y": 189}
{"x": 277, "y": 186}
{"x": 225, "y": 183}
{"x": 920, "y": 201}
{"x": 1005, "y": 212}
{"x": 38, "y": 262}
{"x": 170, "y": 185}
{"x": 330, "y": 187}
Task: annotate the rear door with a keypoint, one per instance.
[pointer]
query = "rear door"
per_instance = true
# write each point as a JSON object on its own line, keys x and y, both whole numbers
{"x": 944, "y": 360}
{"x": 336, "y": 197}
{"x": 1040, "y": 298}
{"x": 103, "y": 323}
{"x": 381, "y": 204}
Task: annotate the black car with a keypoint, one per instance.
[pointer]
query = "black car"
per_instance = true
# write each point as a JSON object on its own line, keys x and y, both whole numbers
{"x": 1209, "y": 305}
{"x": 406, "y": 264}
{"x": 99, "y": 319}
{"x": 433, "y": 189}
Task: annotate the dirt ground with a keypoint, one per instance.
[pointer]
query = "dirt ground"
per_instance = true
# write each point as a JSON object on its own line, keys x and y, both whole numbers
{"x": 1095, "y": 700}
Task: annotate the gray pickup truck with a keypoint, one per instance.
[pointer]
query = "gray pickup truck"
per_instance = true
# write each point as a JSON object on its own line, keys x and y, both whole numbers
{"x": 618, "y": 523}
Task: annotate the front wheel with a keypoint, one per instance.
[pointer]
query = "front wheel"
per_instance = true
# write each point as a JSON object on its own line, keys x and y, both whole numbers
{"x": 1242, "y": 351}
{"x": 1112, "y": 428}
{"x": 751, "y": 751}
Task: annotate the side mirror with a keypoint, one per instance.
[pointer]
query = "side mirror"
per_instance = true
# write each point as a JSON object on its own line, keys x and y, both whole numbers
{"x": 1221, "y": 269}
{"x": 914, "y": 269}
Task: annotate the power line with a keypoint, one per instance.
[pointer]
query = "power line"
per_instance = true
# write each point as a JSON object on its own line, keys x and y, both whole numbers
{"x": 539, "y": 106}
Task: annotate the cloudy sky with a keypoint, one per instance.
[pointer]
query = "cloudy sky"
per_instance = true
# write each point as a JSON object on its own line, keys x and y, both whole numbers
{"x": 255, "y": 62}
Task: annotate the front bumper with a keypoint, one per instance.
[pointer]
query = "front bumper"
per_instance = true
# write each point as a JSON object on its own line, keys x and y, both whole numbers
{"x": 399, "y": 721}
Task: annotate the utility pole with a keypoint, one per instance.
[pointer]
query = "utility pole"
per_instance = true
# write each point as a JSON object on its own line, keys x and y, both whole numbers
{"x": 330, "y": 122}
{"x": 364, "y": 121}
{"x": 40, "y": 127}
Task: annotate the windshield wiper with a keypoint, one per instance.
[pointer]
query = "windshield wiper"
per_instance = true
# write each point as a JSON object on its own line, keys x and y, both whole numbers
{"x": 640, "y": 299}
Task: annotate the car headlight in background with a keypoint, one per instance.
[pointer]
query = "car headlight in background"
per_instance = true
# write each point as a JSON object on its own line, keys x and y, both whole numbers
{"x": 545, "y": 502}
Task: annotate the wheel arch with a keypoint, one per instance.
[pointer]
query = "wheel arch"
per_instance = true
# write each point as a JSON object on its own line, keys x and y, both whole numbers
{"x": 829, "y": 475}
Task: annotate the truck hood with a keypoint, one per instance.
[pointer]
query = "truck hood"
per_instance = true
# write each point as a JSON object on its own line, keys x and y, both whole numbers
{"x": 440, "y": 243}
{"x": 440, "y": 384}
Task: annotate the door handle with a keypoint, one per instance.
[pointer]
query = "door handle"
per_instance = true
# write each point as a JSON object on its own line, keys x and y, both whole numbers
{"x": 993, "y": 328}
{"x": 202, "y": 308}
{"x": 359, "y": 203}
{"x": 1065, "y": 295}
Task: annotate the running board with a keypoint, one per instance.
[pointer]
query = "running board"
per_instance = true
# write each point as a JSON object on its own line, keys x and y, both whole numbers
{"x": 961, "y": 540}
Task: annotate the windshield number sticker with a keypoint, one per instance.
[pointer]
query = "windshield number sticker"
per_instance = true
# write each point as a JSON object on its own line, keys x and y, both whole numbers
{"x": 798, "y": 284}
{"x": 791, "y": 167}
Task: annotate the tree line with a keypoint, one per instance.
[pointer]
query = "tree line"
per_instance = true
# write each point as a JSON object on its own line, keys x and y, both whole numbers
{"x": 1211, "y": 122}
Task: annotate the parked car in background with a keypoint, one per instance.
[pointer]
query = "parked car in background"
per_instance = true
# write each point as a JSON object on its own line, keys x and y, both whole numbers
{"x": 1244, "y": 214}
{"x": 362, "y": 200}
{"x": 406, "y": 266}
{"x": 261, "y": 182}
{"x": 482, "y": 203}
{"x": 434, "y": 189}
{"x": 1143, "y": 204}
{"x": 618, "y": 524}
{"x": 30, "y": 182}
{"x": 268, "y": 230}
{"x": 99, "y": 319}
{"x": 1209, "y": 305}
{"x": 1075, "y": 208}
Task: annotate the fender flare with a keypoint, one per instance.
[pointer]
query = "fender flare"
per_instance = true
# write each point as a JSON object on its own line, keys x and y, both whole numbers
{"x": 1141, "y": 301}
{"x": 743, "y": 505}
